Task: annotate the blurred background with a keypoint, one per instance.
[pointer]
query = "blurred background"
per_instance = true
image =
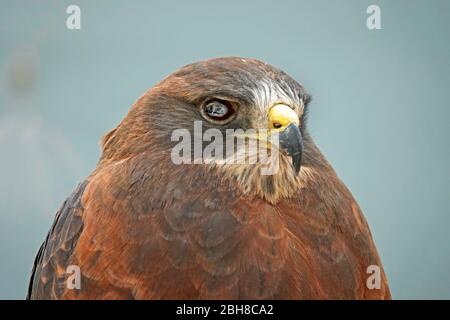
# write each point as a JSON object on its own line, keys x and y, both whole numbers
{"x": 380, "y": 111}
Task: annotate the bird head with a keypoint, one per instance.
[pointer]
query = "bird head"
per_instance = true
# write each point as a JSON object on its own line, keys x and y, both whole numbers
{"x": 243, "y": 99}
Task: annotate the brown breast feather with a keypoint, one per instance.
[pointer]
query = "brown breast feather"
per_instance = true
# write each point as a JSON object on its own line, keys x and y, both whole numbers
{"x": 149, "y": 234}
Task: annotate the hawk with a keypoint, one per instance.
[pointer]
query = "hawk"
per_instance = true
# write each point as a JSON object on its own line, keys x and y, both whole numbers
{"x": 144, "y": 227}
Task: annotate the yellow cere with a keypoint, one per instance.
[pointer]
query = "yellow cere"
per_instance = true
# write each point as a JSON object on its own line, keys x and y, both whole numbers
{"x": 281, "y": 116}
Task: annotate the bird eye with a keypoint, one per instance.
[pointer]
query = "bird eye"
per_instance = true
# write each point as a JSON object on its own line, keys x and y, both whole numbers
{"x": 218, "y": 111}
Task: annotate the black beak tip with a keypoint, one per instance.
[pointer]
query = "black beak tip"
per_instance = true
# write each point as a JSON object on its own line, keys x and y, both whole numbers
{"x": 292, "y": 142}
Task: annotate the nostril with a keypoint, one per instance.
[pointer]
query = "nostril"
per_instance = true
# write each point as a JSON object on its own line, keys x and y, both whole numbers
{"x": 277, "y": 125}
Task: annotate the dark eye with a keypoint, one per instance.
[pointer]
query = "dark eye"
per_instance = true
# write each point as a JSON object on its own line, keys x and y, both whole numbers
{"x": 218, "y": 111}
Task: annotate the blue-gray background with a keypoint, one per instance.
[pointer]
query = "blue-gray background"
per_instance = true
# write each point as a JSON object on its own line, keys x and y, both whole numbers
{"x": 380, "y": 111}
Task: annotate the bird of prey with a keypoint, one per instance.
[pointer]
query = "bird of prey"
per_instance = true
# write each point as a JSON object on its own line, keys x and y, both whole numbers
{"x": 144, "y": 227}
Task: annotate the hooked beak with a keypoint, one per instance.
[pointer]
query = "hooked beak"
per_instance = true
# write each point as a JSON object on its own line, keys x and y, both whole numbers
{"x": 291, "y": 141}
{"x": 284, "y": 119}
